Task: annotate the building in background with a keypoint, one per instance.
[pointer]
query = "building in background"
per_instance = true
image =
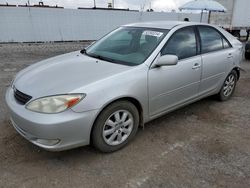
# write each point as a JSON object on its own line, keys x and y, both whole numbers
{"x": 45, "y": 24}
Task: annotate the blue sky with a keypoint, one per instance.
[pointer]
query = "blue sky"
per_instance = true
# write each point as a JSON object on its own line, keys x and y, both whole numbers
{"x": 158, "y": 5}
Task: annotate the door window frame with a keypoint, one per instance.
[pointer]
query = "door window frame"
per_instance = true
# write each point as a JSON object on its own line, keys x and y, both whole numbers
{"x": 198, "y": 46}
{"x": 221, "y": 35}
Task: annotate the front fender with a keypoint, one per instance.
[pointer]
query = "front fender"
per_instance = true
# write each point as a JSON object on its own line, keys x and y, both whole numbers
{"x": 131, "y": 84}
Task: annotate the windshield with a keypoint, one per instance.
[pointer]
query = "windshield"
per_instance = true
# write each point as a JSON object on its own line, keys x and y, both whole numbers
{"x": 127, "y": 45}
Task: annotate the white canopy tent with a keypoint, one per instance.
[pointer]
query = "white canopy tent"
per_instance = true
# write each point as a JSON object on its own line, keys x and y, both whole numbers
{"x": 204, "y": 5}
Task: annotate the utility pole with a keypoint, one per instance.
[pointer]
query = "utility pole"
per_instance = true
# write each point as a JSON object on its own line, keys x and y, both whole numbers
{"x": 113, "y": 3}
{"x": 94, "y": 4}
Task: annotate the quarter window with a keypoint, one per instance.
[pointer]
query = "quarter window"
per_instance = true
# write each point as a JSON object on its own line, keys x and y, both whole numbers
{"x": 211, "y": 40}
{"x": 182, "y": 44}
{"x": 226, "y": 44}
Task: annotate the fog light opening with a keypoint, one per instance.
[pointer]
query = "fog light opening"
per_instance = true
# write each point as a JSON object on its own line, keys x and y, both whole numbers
{"x": 47, "y": 142}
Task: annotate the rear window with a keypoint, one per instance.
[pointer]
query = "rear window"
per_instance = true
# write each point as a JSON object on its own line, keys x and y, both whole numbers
{"x": 211, "y": 40}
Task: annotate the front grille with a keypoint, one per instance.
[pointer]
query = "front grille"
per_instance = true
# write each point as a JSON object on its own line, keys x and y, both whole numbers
{"x": 21, "y": 97}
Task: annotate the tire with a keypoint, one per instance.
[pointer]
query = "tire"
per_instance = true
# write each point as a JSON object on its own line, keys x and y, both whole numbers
{"x": 112, "y": 130}
{"x": 247, "y": 55}
{"x": 228, "y": 86}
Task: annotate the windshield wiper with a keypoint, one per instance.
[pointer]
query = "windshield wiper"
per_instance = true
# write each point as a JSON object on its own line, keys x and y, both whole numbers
{"x": 100, "y": 57}
{"x": 83, "y": 51}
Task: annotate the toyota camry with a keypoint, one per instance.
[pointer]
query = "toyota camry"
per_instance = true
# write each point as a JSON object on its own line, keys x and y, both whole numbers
{"x": 136, "y": 73}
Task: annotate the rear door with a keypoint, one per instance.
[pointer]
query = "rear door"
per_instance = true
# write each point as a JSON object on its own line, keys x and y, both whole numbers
{"x": 216, "y": 55}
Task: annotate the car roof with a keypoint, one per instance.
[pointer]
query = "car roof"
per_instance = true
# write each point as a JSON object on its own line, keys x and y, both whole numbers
{"x": 171, "y": 24}
{"x": 163, "y": 24}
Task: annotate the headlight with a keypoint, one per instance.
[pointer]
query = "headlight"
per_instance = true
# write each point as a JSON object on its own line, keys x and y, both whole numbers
{"x": 54, "y": 104}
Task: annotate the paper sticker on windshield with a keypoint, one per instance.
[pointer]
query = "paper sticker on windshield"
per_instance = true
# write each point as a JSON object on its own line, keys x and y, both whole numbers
{"x": 152, "y": 33}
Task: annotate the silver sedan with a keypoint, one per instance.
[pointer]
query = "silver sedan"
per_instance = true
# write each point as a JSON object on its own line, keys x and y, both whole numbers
{"x": 136, "y": 73}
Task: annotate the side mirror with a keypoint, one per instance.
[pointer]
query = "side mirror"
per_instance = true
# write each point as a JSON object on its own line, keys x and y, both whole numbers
{"x": 166, "y": 60}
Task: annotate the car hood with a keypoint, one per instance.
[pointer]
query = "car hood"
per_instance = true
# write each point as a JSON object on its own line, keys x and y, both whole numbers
{"x": 64, "y": 74}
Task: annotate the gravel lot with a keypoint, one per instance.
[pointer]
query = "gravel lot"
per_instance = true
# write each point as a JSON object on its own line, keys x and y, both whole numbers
{"x": 206, "y": 144}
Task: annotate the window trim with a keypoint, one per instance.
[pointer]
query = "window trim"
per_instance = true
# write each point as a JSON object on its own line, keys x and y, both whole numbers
{"x": 230, "y": 45}
{"x": 196, "y": 39}
{"x": 221, "y": 35}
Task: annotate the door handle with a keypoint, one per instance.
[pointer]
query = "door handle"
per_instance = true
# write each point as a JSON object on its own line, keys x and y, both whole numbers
{"x": 196, "y": 66}
{"x": 230, "y": 55}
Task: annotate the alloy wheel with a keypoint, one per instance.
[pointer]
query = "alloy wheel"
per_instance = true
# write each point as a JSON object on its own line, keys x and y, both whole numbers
{"x": 229, "y": 85}
{"x": 118, "y": 127}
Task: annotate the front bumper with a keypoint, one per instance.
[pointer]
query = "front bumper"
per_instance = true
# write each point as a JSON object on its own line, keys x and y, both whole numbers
{"x": 62, "y": 131}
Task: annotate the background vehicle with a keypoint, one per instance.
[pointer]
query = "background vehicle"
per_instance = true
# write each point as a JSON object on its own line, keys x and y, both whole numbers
{"x": 247, "y": 50}
{"x": 237, "y": 18}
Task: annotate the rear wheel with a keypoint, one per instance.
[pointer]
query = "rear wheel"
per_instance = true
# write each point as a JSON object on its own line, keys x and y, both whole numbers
{"x": 115, "y": 127}
{"x": 247, "y": 51}
{"x": 247, "y": 55}
{"x": 228, "y": 86}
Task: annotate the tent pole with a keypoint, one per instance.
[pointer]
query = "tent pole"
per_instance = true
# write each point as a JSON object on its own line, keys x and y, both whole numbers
{"x": 209, "y": 16}
{"x": 201, "y": 15}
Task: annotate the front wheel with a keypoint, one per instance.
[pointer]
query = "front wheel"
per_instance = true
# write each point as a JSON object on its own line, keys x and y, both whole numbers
{"x": 115, "y": 126}
{"x": 228, "y": 86}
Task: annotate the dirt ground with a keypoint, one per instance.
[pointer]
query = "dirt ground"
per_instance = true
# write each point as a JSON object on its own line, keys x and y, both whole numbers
{"x": 206, "y": 144}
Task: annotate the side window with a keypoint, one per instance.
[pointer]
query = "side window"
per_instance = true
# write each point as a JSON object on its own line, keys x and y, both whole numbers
{"x": 226, "y": 44}
{"x": 182, "y": 44}
{"x": 211, "y": 40}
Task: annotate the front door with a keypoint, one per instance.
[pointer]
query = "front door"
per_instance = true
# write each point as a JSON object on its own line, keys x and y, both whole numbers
{"x": 172, "y": 85}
